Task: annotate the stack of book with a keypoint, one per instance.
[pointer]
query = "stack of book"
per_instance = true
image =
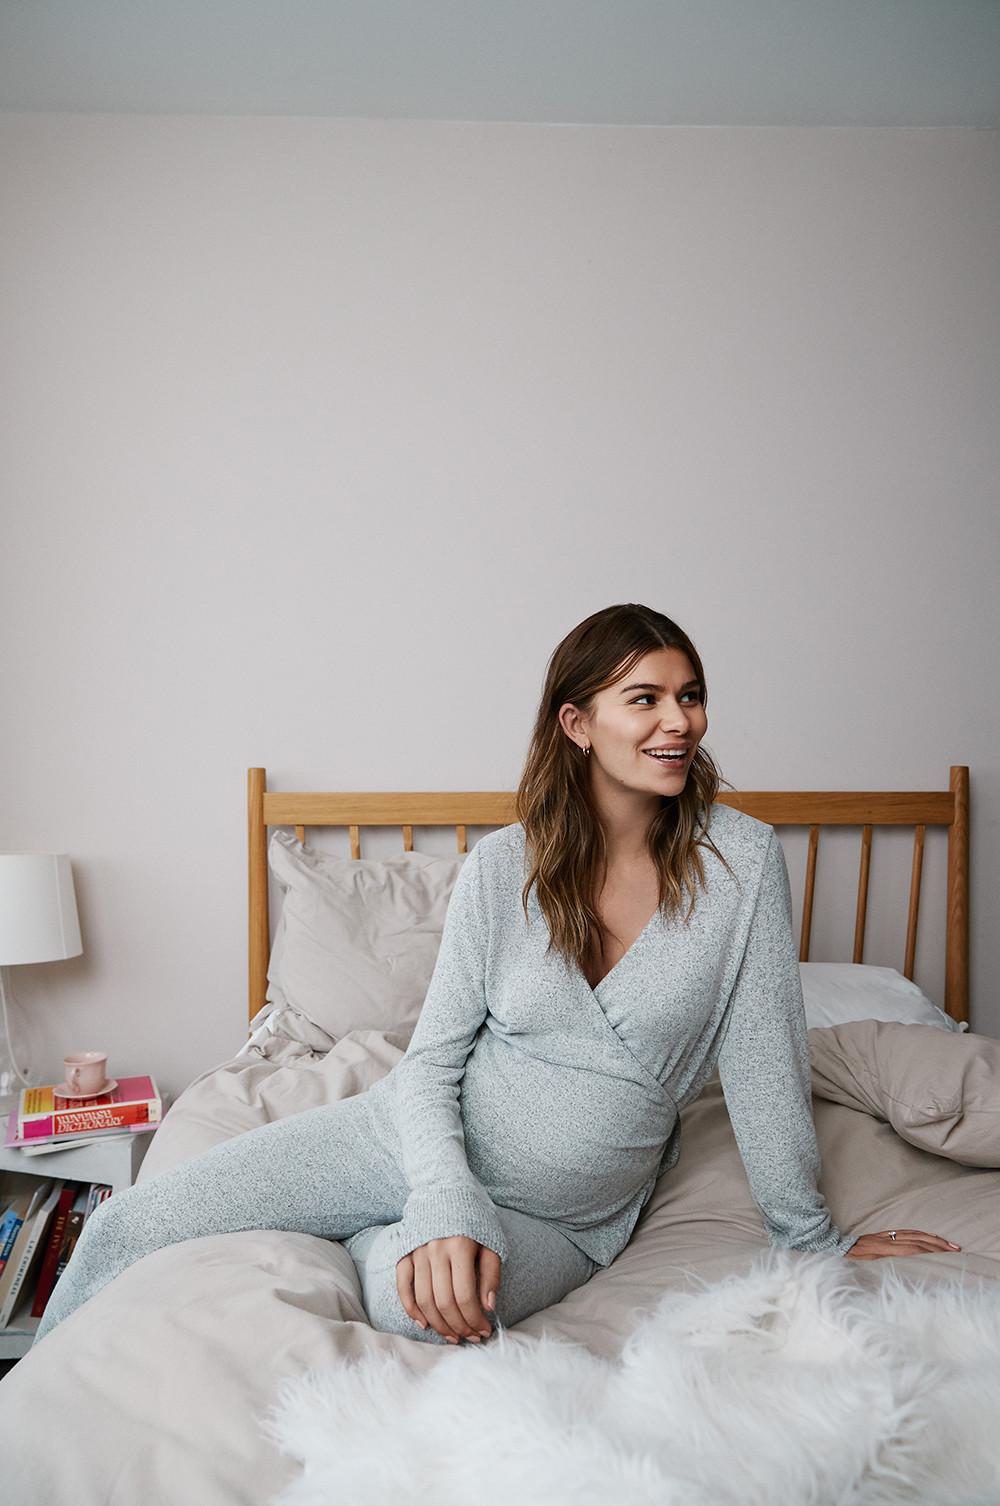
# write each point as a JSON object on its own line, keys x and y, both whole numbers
{"x": 42, "y": 1120}
{"x": 40, "y": 1223}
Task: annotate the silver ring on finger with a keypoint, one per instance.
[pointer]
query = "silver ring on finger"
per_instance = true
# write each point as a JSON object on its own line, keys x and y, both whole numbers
{"x": 892, "y": 1234}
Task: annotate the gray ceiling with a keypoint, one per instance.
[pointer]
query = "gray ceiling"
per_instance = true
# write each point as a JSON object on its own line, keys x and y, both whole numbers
{"x": 626, "y": 62}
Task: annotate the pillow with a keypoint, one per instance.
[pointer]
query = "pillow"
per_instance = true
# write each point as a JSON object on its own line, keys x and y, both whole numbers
{"x": 356, "y": 941}
{"x": 838, "y": 991}
{"x": 943, "y": 1096}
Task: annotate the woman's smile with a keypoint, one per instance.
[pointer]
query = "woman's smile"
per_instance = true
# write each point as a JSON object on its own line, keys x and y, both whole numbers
{"x": 674, "y": 763}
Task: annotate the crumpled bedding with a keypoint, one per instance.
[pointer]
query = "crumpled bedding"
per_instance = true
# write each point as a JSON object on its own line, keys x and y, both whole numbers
{"x": 160, "y": 1382}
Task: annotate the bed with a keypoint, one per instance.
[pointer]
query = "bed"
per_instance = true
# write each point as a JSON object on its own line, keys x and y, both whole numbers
{"x": 158, "y": 1388}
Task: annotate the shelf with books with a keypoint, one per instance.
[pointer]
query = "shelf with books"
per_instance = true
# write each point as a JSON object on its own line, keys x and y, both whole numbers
{"x": 54, "y": 1191}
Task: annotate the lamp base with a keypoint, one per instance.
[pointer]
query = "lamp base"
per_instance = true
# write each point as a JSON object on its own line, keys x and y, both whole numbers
{"x": 19, "y": 1049}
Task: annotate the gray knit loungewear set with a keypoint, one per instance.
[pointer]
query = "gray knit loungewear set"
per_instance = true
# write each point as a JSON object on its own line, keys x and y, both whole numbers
{"x": 530, "y": 1112}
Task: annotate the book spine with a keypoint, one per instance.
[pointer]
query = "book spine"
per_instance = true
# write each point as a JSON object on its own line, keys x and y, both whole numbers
{"x": 74, "y": 1223}
{"x": 40, "y": 1143}
{"x": 9, "y": 1230}
{"x": 47, "y": 1274}
{"x": 96, "y": 1194}
{"x": 100, "y": 1116}
{"x": 39, "y": 1222}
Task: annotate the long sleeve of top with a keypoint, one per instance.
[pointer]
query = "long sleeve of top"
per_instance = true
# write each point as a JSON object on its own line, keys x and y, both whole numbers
{"x": 445, "y": 1198}
{"x": 766, "y": 1075}
{"x": 525, "y": 1088}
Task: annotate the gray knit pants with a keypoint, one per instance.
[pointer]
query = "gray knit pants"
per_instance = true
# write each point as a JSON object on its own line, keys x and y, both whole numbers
{"x": 324, "y": 1172}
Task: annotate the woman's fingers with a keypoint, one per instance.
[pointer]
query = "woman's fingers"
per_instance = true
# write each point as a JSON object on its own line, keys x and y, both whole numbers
{"x": 907, "y": 1242}
{"x": 921, "y": 1238}
{"x": 489, "y": 1278}
{"x": 465, "y": 1288}
{"x": 438, "y": 1285}
{"x": 404, "y": 1286}
{"x": 444, "y": 1276}
{"x": 426, "y": 1298}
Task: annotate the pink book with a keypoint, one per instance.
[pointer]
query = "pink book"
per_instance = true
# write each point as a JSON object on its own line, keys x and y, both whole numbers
{"x": 42, "y": 1114}
{"x": 10, "y": 1136}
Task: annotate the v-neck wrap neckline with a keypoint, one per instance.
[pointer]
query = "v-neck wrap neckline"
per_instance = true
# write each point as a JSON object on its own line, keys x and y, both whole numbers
{"x": 634, "y": 948}
{"x": 616, "y": 1046}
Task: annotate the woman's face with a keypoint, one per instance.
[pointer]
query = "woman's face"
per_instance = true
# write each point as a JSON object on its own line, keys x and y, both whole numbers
{"x": 657, "y": 705}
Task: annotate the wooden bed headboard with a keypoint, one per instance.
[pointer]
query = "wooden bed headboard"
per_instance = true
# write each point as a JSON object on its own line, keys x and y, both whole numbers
{"x": 812, "y": 808}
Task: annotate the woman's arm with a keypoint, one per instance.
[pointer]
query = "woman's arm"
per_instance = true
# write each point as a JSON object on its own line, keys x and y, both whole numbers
{"x": 445, "y": 1198}
{"x": 766, "y": 1075}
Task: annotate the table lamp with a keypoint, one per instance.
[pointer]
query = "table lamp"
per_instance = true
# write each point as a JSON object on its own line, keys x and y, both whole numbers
{"x": 38, "y": 923}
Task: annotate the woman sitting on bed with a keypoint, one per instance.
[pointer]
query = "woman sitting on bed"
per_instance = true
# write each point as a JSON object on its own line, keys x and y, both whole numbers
{"x": 600, "y": 959}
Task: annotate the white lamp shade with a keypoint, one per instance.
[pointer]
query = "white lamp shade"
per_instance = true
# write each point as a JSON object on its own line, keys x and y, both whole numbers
{"x": 38, "y": 919}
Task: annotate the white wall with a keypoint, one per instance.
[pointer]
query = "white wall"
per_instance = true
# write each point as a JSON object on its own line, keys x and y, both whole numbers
{"x": 318, "y": 435}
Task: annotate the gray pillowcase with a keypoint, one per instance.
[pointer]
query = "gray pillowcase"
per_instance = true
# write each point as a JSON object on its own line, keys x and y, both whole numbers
{"x": 938, "y": 1089}
{"x": 356, "y": 941}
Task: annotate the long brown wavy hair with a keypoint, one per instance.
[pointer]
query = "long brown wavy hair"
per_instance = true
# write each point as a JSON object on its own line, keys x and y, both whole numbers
{"x": 566, "y": 842}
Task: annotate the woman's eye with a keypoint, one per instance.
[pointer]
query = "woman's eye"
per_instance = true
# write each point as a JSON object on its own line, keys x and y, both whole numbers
{"x": 649, "y": 696}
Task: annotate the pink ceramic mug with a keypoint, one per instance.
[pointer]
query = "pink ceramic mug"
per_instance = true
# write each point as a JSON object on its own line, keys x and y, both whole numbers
{"x": 86, "y": 1071}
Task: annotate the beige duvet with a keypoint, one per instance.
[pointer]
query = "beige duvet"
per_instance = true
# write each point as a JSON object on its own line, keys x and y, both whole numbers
{"x": 152, "y": 1391}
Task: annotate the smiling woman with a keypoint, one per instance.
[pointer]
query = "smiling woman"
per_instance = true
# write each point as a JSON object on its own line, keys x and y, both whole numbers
{"x": 617, "y": 786}
{"x": 616, "y": 801}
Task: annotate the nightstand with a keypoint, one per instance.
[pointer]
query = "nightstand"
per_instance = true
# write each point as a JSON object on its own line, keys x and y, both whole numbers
{"x": 114, "y": 1161}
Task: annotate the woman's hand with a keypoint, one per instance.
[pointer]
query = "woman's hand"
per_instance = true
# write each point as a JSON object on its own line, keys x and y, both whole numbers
{"x": 907, "y": 1242}
{"x": 438, "y": 1284}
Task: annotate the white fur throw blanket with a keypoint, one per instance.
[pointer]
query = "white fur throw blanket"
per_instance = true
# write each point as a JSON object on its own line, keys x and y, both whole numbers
{"x": 796, "y": 1383}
